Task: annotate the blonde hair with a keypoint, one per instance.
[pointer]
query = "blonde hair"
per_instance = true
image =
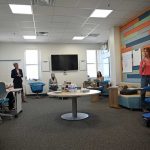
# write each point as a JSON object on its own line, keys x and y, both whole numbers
{"x": 15, "y": 64}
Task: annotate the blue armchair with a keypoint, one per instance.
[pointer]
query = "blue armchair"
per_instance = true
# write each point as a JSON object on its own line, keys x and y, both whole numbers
{"x": 37, "y": 87}
{"x": 147, "y": 99}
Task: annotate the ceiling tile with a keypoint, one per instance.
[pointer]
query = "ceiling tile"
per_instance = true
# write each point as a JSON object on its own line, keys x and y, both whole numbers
{"x": 87, "y": 4}
{"x": 66, "y": 3}
{"x": 66, "y": 19}
{"x": 62, "y": 11}
{"x": 43, "y": 10}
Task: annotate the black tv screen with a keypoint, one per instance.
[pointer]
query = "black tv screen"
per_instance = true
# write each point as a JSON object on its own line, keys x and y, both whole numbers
{"x": 64, "y": 62}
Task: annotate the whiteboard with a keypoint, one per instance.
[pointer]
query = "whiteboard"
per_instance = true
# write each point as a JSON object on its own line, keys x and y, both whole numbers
{"x": 136, "y": 57}
{"x": 45, "y": 66}
{"x": 82, "y": 65}
{"x": 127, "y": 61}
{"x": 6, "y": 66}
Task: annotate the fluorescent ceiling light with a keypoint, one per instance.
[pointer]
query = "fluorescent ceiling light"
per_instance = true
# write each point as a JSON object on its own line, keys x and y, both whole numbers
{"x": 20, "y": 9}
{"x": 100, "y": 13}
{"x": 29, "y": 37}
{"x": 78, "y": 37}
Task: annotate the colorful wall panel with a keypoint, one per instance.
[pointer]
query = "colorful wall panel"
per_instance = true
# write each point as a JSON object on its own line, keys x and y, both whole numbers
{"x": 134, "y": 35}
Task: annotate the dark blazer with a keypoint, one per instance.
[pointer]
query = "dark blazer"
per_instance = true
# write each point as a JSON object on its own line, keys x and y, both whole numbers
{"x": 17, "y": 79}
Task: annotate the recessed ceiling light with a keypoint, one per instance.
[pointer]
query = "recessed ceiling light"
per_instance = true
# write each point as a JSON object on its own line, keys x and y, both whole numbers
{"x": 100, "y": 13}
{"x": 20, "y": 9}
{"x": 29, "y": 37}
{"x": 78, "y": 37}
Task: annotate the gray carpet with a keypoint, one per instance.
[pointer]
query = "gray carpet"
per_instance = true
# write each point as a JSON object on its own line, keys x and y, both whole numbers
{"x": 39, "y": 127}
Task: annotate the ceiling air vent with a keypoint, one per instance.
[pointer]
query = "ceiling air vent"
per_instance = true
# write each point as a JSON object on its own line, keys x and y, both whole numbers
{"x": 93, "y": 35}
{"x": 43, "y": 2}
{"x": 42, "y": 33}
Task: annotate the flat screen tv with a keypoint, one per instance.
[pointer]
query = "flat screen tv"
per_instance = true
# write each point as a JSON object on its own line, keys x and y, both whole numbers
{"x": 64, "y": 62}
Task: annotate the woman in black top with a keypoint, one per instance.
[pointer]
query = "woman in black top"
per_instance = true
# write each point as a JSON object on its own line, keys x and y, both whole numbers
{"x": 17, "y": 75}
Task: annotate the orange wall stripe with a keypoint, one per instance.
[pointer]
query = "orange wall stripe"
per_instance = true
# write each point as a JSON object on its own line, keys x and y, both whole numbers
{"x": 123, "y": 50}
{"x": 144, "y": 25}
{"x": 146, "y": 46}
{"x": 129, "y": 24}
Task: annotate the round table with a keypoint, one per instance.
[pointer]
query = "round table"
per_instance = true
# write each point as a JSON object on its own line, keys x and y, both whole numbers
{"x": 74, "y": 115}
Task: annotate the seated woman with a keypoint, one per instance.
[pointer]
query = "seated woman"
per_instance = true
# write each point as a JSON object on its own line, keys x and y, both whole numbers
{"x": 100, "y": 77}
{"x": 53, "y": 83}
{"x": 11, "y": 98}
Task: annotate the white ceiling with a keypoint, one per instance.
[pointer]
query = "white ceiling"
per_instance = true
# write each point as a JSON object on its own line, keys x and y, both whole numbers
{"x": 66, "y": 19}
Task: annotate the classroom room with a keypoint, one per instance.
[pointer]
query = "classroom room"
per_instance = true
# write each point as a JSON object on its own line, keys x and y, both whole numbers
{"x": 75, "y": 74}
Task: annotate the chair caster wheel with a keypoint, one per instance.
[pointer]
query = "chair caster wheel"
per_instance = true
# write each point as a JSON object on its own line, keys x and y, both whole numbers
{"x": 16, "y": 116}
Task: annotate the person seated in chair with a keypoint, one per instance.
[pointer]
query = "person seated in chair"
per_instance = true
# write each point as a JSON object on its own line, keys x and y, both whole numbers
{"x": 11, "y": 98}
{"x": 53, "y": 83}
{"x": 99, "y": 78}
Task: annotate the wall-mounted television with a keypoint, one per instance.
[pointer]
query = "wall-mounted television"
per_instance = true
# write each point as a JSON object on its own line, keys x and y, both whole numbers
{"x": 64, "y": 62}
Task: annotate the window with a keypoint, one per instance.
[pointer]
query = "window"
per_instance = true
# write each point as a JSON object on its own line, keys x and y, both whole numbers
{"x": 32, "y": 67}
{"x": 91, "y": 63}
{"x": 106, "y": 71}
{"x": 98, "y": 60}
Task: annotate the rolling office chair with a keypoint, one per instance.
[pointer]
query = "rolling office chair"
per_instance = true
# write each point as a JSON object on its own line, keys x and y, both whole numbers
{"x": 3, "y": 95}
{"x": 37, "y": 87}
{"x": 3, "y": 100}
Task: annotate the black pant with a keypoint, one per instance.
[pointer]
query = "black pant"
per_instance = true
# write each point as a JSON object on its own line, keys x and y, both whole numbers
{"x": 145, "y": 81}
{"x": 11, "y": 100}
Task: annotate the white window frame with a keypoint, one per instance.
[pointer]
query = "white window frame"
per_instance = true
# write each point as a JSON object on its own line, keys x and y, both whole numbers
{"x": 92, "y": 63}
{"x": 99, "y": 61}
{"x": 37, "y": 64}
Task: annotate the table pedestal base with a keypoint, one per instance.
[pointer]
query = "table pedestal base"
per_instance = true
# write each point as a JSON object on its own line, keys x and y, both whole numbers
{"x": 69, "y": 116}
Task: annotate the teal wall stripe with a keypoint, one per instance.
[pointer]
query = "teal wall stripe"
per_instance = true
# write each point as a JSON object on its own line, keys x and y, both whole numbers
{"x": 147, "y": 38}
{"x": 136, "y": 40}
{"x": 133, "y": 76}
{"x": 136, "y": 24}
{"x": 139, "y": 36}
{"x": 147, "y": 13}
{"x": 135, "y": 68}
{"x": 141, "y": 45}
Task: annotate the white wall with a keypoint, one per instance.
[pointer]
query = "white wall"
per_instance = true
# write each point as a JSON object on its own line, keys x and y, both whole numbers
{"x": 15, "y": 51}
{"x": 115, "y": 56}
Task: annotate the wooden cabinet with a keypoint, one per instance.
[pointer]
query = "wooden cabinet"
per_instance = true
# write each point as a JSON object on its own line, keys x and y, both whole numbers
{"x": 113, "y": 97}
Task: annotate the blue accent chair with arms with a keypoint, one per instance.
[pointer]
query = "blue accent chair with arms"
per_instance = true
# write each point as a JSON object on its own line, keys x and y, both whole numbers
{"x": 37, "y": 87}
{"x": 103, "y": 87}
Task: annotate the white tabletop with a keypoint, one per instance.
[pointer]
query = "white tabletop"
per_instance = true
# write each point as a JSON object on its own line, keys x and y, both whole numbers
{"x": 73, "y": 94}
{"x": 13, "y": 90}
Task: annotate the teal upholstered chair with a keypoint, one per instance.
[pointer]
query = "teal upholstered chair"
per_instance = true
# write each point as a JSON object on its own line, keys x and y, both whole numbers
{"x": 37, "y": 87}
{"x": 103, "y": 87}
{"x": 3, "y": 94}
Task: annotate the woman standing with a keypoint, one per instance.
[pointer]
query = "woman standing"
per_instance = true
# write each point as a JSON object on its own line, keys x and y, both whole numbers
{"x": 17, "y": 75}
{"x": 145, "y": 74}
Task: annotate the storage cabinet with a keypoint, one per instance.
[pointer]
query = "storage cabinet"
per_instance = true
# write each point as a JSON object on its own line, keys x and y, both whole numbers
{"x": 113, "y": 97}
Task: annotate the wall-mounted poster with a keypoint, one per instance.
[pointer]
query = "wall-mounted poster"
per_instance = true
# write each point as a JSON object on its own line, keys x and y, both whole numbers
{"x": 136, "y": 57}
{"x": 127, "y": 61}
{"x": 82, "y": 65}
{"x": 45, "y": 66}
